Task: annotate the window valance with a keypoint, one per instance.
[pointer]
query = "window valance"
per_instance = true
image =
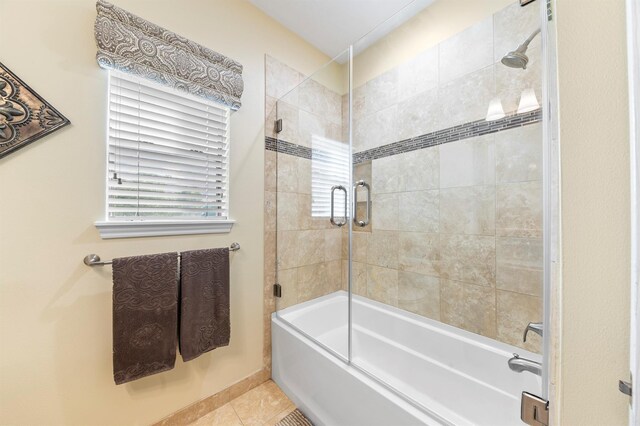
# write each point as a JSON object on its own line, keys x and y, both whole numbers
{"x": 134, "y": 45}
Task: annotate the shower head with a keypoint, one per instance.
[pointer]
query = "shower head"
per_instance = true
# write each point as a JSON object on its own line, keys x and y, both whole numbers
{"x": 518, "y": 58}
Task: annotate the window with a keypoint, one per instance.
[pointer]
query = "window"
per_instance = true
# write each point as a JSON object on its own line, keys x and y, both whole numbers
{"x": 329, "y": 167}
{"x": 167, "y": 161}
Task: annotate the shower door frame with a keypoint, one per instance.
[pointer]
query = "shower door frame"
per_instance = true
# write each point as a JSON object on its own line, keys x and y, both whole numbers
{"x": 633, "y": 44}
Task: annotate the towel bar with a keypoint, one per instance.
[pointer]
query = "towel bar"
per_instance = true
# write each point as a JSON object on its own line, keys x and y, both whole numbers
{"x": 94, "y": 259}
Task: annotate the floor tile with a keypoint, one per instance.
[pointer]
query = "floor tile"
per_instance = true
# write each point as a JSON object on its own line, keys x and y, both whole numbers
{"x": 223, "y": 416}
{"x": 261, "y": 404}
{"x": 281, "y": 415}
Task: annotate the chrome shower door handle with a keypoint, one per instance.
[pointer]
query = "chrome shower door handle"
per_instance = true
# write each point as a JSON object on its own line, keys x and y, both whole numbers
{"x": 331, "y": 216}
{"x": 361, "y": 223}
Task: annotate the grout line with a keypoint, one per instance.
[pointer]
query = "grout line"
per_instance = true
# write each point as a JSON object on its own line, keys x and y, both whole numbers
{"x": 234, "y": 410}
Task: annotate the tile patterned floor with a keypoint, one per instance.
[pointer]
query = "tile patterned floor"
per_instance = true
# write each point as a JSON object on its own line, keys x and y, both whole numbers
{"x": 265, "y": 405}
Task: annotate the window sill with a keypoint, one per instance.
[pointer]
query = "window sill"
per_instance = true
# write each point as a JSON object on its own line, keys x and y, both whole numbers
{"x": 156, "y": 228}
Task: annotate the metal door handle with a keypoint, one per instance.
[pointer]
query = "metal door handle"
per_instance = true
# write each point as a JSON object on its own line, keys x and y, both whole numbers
{"x": 332, "y": 217}
{"x": 361, "y": 223}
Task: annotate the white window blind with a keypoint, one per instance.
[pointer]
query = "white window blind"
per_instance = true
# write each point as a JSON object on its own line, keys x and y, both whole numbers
{"x": 329, "y": 167}
{"x": 167, "y": 153}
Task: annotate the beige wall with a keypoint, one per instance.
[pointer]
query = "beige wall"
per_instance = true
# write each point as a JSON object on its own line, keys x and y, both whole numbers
{"x": 55, "y": 313}
{"x": 595, "y": 211}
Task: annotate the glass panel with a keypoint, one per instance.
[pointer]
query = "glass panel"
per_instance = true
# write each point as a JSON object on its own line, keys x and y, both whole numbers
{"x": 449, "y": 271}
{"x": 313, "y": 156}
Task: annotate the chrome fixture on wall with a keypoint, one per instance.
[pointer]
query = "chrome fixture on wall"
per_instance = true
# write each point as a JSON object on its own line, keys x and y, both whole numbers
{"x": 358, "y": 222}
{"x": 94, "y": 259}
{"x": 536, "y": 327}
{"x": 518, "y": 58}
{"x": 519, "y": 365}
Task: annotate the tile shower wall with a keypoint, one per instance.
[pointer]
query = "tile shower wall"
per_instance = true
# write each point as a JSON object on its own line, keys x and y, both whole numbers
{"x": 456, "y": 229}
{"x": 309, "y": 249}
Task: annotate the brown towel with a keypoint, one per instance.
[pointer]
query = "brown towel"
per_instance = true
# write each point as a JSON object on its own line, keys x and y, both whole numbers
{"x": 204, "y": 301}
{"x": 145, "y": 315}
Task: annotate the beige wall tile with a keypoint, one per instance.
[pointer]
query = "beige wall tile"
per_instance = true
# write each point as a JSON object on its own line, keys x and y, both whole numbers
{"x": 305, "y": 220}
{"x": 515, "y": 311}
{"x": 418, "y": 252}
{"x": 269, "y": 211}
{"x": 467, "y": 51}
{"x": 288, "y": 280}
{"x": 382, "y": 284}
{"x": 468, "y": 306}
{"x": 376, "y": 129}
{"x": 287, "y": 248}
{"x": 468, "y": 162}
{"x": 519, "y": 154}
{"x": 385, "y": 175}
{"x": 384, "y": 212}
{"x": 359, "y": 277}
{"x": 311, "y": 125}
{"x": 519, "y": 265}
{"x": 382, "y": 249}
{"x": 519, "y": 209}
{"x": 334, "y": 276}
{"x": 380, "y": 92}
{"x": 287, "y": 173}
{"x": 468, "y": 210}
{"x": 304, "y": 176}
{"x": 419, "y": 170}
{"x": 362, "y": 171}
{"x": 270, "y": 170}
{"x": 467, "y": 98}
{"x": 468, "y": 258}
{"x": 359, "y": 246}
{"x": 418, "y": 74}
{"x": 288, "y": 217}
{"x": 419, "y": 294}
{"x": 332, "y": 244}
{"x": 419, "y": 211}
{"x": 313, "y": 281}
{"x": 311, "y": 247}
{"x": 418, "y": 115}
{"x": 280, "y": 79}
{"x": 289, "y": 114}
{"x": 270, "y": 118}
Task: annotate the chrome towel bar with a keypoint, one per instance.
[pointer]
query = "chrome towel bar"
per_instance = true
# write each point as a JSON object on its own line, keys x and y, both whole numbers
{"x": 94, "y": 259}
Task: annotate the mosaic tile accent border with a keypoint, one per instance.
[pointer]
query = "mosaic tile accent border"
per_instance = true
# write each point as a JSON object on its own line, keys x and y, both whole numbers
{"x": 284, "y": 147}
{"x": 451, "y": 134}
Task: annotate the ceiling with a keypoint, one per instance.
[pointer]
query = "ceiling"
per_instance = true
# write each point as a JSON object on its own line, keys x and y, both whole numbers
{"x": 332, "y": 25}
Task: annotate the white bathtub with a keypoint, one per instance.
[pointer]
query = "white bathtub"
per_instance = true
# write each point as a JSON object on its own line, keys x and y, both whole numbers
{"x": 448, "y": 376}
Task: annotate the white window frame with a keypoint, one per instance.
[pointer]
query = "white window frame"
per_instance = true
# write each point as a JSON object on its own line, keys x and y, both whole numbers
{"x": 122, "y": 228}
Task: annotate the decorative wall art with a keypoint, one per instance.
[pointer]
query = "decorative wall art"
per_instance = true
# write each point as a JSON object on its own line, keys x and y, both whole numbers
{"x": 24, "y": 115}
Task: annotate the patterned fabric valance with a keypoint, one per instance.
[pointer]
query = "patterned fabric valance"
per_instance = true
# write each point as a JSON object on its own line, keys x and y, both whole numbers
{"x": 131, "y": 44}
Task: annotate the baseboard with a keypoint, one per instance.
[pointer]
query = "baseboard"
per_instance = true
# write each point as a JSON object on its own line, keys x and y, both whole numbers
{"x": 193, "y": 412}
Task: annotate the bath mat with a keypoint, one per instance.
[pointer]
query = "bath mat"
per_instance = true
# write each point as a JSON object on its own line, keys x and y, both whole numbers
{"x": 295, "y": 418}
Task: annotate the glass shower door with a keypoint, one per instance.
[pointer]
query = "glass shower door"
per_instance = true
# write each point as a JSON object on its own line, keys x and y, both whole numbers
{"x": 447, "y": 269}
{"x": 312, "y": 203}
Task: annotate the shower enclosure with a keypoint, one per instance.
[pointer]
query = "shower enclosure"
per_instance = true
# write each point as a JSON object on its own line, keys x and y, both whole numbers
{"x": 410, "y": 236}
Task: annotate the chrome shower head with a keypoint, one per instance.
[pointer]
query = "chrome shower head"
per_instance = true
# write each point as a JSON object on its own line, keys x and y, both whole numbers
{"x": 518, "y": 58}
{"x": 515, "y": 59}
